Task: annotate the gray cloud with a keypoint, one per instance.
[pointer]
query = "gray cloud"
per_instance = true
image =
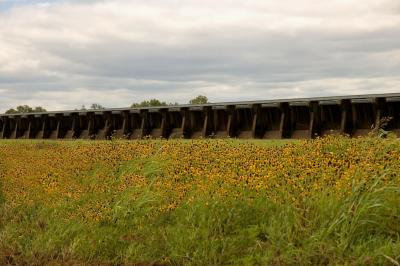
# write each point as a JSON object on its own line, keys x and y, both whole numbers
{"x": 115, "y": 52}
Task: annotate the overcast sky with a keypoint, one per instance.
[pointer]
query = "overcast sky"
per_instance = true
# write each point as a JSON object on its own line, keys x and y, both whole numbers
{"x": 64, "y": 54}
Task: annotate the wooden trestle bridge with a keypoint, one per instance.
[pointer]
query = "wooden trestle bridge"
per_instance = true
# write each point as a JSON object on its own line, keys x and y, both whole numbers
{"x": 269, "y": 119}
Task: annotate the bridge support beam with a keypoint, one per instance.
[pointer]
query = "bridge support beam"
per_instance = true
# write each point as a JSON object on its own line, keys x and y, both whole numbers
{"x": 315, "y": 120}
{"x": 285, "y": 128}
{"x": 207, "y": 123}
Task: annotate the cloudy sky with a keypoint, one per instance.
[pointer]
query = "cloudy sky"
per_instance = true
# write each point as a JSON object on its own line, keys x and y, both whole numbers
{"x": 64, "y": 54}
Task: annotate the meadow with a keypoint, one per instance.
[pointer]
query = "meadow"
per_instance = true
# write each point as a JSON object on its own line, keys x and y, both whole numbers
{"x": 329, "y": 201}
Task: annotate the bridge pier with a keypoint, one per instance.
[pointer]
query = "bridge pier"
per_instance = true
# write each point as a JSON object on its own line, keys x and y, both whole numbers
{"x": 103, "y": 125}
{"x": 15, "y": 121}
{"x": 197, "y": 123}
{"x": 178, "y": 123}
{"x": 120, "y": 124}
{"x": 245, "y": 121}
{"x": 43, "y": 122}
{"x": 86, "y": 125}
{"x": 138, "y": 124}
{"x": 222, "y": 120}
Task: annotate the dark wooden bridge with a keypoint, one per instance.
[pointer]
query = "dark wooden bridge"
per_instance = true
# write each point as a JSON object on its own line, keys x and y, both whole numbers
{"x": 270, "y": 119}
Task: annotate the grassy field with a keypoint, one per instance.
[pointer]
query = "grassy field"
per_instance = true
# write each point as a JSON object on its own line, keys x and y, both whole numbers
{"x": 206, "y": 202}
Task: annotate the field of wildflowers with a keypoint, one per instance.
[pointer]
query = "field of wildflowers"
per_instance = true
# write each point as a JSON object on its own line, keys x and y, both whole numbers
{"x": 200, "y": 202}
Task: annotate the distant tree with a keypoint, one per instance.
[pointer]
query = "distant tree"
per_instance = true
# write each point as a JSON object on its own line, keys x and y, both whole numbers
{"x": 151, "y": 102}
{"x": 96, "y": 106}
{"x": 11, "y": 111}
{"x": 201, "y": 99}
{"x": 20, "y": 109}
{"x": 25, "y": 109}
{"x": 39, "y": 109}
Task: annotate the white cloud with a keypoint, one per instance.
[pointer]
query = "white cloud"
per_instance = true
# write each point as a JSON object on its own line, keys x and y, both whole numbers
{"x": 65, "y": 54}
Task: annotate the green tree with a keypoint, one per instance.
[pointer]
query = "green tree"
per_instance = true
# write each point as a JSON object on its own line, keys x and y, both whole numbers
{"x": 151, "y": 102}
{"x": 25, "y": 109}
{"x": 201, "y": 99}
{"x": 11, "y": 111}
{"x": 96, "y": 106}
{"x": 39, "y": 109}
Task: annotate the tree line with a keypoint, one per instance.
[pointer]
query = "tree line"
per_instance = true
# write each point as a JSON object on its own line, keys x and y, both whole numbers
{"x": 201, "y": 99}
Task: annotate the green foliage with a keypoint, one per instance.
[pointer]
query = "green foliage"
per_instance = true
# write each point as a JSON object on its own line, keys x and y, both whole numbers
{"x": 96, "y": 106}
{"x": 380, "y": 128}
{"x": 149, "y": 103}
{"x": 367, "y": 211}
{"x": 362, "y": 228}
{"x": 2, "y": 198}
{"x": 25, "y": 109}
{"x": 201, "y": 99}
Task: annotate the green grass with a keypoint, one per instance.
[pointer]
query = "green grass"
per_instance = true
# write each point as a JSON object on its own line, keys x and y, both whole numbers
{"x": 362, "y": 228}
